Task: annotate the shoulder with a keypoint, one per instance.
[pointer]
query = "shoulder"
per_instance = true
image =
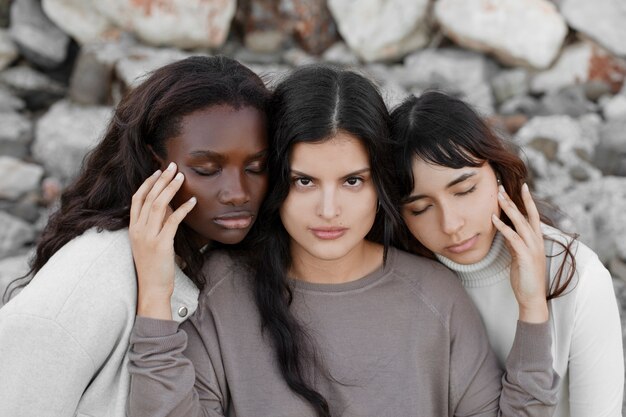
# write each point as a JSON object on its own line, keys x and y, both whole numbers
{"x": 436, "y": 285}
{"x": 222, "y": 267}
{"x": 94, "y": 268}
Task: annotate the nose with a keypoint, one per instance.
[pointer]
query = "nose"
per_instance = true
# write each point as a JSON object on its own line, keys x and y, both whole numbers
{"x": 328, "y": 207}
{"x": 451, "y": 220}
{"x": 234, "y": 190}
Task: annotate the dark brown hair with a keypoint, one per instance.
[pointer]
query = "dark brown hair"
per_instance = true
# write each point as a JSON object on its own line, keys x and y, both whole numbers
{"x": 145, "y": 119}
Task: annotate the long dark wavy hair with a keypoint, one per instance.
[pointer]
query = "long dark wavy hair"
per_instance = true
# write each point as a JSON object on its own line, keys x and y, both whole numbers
{"x": 145, "y": 119}
{"x": 446, "y": 131}
{"x": 312, "y": 105}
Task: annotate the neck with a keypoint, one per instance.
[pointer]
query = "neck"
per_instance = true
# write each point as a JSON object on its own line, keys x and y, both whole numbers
{"x": 357, "y": 263}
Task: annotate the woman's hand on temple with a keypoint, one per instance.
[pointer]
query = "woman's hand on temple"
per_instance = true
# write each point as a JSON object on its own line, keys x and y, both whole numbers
{"x": 152, "y": 228}
{"x": 526, "y": 246}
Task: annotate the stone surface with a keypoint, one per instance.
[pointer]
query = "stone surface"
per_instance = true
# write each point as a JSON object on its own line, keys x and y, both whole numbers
{"x": 604, "y": 201}
{"x": 5, "y": 10}
{"x": 38, "y": 38}
{"x": 382, "y": 29}
{"x": 9, "y": 102}
{"x": 35, "y": 88}
{"x": 526, "y": 105}
{"x": 615, "y": 107}
{"x": 610, "y": 154}
{"x": 517, "y": 32}
{"x": 571, "y": 101}
{"x": 581, "y": 63}
{"x": 179, "y": 23}
{"x": 602, "y": 20}
{"x": 140, "y": 61}
{"x": 14, "y": 235}
{"x": 340, "y": 53}
{"x": 65, "y": 134}
{"x": 459, "y": 72}
{"x": 17, "y": 177}
{"x": 78, "y": 18}
{"x": 8, "y": 50}
{"x": 510, "y": 83}
{"x": 15, "y": 134}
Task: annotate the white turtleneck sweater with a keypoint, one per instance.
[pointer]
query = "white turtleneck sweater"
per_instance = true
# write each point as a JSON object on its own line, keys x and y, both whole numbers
{"x": 586, "y": 330}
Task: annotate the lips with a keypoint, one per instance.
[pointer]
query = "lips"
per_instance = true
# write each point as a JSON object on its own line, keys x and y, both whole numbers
{"x": 328, "y": 233}
{"x": 234, "y": 220}
{"x": 464, "y": 245}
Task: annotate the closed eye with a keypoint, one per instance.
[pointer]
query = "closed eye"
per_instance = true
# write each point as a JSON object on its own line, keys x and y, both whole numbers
{"x": 471, "y": 190}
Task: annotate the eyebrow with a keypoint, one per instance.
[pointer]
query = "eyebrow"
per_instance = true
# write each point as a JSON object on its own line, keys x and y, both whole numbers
{"x": 215, "y": 155}
{"x": 351, "y": 174}
{"x": 452, "y": 183}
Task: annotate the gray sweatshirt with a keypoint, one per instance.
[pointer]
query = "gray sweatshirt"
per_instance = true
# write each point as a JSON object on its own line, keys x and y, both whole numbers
{"x": 402, "y": 341}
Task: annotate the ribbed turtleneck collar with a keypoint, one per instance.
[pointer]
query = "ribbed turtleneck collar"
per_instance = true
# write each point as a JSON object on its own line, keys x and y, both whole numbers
{"x": 491, "y": 269}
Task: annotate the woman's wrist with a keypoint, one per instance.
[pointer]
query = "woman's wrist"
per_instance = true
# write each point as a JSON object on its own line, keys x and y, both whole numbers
{"x": 154, "y": 304}
{"x": 534, "y": 313}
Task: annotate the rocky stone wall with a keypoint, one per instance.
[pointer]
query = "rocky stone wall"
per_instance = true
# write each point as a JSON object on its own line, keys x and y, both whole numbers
{"x": 549, "y": 75}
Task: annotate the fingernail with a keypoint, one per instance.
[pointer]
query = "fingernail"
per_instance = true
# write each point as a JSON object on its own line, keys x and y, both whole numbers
{"x": 171, "y": 166}
{"x": 501, "y": 188}
{"x": 179, "y": 176}
{"x": 494, "y": 217}
{"x": 525, "y": 187}
{"x": 193, "y": 200}
{"x": 156, "y": 173}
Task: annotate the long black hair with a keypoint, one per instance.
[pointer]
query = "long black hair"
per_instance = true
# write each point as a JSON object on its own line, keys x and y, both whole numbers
{"x": 312, "y": 105}
{"x": 446, "y": 131}
{"x": 145, "y": 119}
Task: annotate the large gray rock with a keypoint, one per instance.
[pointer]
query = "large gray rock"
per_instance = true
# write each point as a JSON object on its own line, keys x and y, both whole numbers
{"x": 571, "y": 101}
{"x": 610, "y": 154}
{"x": 9, "y": 102}
{"x": 602, "y": 20}
{"x": 17, "y": 177}
{"x": 463, "y": 73}
{"x": 510, "y": 83}
{"x": 15, "y": 134}
{"x": 133, "y": 68}
{"x": 14, "y": 235}
{"x": 92, "y": 78}
{"x": 38, "y": 38}
{"x": 8, "y": 50}
{"x": 581, "y": 63}
{"x": 604, "y": 201}
{"x": 382, "y": 29}
{"x": 559, "y": 150}
{"x": 65, "y": 134}
{"x": 81, "y": 19}
{"x": 35, "y": 88}
{"x": 517, "y": 32}
{"x": 614, "y": 108}
{"x": 180, "y": 23}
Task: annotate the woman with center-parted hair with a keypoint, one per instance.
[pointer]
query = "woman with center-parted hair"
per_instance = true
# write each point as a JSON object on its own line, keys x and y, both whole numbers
{"x": 64, "y": 337}
{"x": 324, "y": 318}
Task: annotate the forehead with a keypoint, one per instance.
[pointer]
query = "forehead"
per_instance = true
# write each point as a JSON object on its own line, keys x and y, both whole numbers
{"x": 432, "y": 177}
{"x": 222, "y": 129}
{"x": 342, "y": 151}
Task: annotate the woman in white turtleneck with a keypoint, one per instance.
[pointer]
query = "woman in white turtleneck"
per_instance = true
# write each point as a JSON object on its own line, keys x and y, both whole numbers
{"x": 465, "y": 202}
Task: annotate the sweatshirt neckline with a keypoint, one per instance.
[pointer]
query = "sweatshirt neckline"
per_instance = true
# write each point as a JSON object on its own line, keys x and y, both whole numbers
{"x": 493, "y": 268}
{"x": 357, "y": 284}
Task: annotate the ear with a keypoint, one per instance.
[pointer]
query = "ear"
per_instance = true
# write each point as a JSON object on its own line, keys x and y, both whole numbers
{"x": 156, "y": 158}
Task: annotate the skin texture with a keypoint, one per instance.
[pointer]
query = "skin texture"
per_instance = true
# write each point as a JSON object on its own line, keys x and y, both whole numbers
{"x": 330, "y": 208}
{"x": 456, "y": 213}
{"x": 220, "y": 184}
{"x": 221, "y": 152}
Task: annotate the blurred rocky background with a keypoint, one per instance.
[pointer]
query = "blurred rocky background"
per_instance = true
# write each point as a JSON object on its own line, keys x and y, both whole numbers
{"x": 549, "y": 75}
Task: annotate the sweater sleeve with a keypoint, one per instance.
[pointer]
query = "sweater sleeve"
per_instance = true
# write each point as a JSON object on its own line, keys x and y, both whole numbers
{"x": 55, "y": 364}
{"x": 478, "y": 387}
{"x": 596, "y": 362}
{"x": 164, "y": 362}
